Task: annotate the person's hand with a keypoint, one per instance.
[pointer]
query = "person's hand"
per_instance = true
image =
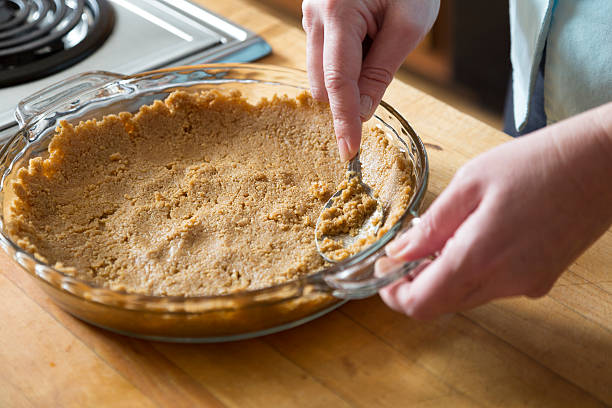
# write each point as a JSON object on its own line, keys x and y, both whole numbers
{"x": 511, "y": 220}
{"x": 354, "y": 84}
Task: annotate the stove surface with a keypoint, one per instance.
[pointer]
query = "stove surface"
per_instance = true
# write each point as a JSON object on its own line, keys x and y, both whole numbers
{"x": 149, "y": 34}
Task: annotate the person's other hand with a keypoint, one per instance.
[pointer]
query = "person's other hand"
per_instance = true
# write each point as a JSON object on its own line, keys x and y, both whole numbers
{"x": 354, "y": 84}
{"x": 511, "y": 220}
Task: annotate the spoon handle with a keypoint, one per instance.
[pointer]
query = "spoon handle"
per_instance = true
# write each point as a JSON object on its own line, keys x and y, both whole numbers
{"x": 354, "y": 166}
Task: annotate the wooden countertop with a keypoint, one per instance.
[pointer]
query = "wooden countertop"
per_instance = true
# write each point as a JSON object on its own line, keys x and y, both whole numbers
{"x": 555, "y": 351}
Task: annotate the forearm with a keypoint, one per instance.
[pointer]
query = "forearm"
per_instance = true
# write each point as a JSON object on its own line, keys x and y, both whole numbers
{"x": 603, "y": 116}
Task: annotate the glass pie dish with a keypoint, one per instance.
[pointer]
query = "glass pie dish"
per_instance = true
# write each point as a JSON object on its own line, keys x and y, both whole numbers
{"x": 199, "y": 318}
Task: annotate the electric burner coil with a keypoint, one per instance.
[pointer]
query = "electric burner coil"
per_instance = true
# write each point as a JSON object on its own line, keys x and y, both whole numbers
{"x": 41, "y": 37}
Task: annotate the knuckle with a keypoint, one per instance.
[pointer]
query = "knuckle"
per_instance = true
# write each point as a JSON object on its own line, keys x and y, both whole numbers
{"x": 332, "y": 7}
{"x": 335, "y": 80}
{"x": 340, "y": 124}
{"x": 464, "y": 173}
{"x": 380, "y": 76}
{"x": 407, "y": 31}
{"x": 539, "y": 290}
{"x": 307, "y": 15}
{"x": 468, "y": 182}
{"x": 427, "y": 227}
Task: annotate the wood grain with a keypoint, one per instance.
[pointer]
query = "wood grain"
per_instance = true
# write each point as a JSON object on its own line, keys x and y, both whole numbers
{"x": 459, "y": 351}
{"x": 555, "y": 351}
{"x": 43, "y": 363}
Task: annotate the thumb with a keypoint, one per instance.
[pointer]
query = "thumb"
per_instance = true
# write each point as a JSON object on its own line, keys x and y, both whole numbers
{"x": 437, "y": 224}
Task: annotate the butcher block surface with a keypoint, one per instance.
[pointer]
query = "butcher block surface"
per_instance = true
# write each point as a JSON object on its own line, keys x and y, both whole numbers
{"x": 554, "y": 351}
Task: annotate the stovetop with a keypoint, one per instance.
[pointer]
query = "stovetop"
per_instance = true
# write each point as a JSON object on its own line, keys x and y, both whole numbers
{"x": 146, "y": 34}
{"x": 41, "y": 37}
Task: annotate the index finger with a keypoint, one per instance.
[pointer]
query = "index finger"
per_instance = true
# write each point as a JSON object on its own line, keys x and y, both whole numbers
{"x": 342, "y": 50}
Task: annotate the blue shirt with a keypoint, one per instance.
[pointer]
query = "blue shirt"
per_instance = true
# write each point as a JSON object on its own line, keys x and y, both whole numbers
{"x": 577, "y": 35}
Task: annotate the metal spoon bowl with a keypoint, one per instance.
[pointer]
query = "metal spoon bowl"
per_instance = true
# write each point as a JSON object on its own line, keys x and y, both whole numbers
{"x": 370, "y": 226}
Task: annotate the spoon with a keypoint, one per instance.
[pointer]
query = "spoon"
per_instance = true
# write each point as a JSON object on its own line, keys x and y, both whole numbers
{"x": 369, "y": 227}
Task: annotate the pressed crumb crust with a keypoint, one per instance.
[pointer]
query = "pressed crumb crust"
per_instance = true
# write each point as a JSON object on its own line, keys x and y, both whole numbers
{"x": 200, "y": 194}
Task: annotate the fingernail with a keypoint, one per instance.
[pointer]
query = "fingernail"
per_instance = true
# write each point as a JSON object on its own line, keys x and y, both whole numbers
{"x": 400, "y": 245}
{"x": 343, "y": 149}
{"x": 365, "y": 106}
{"x": 384, "y": 265}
